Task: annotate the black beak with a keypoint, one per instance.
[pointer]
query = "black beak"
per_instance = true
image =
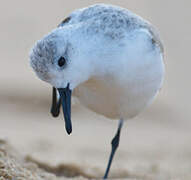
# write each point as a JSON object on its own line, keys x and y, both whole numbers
{"x": 65, "y": 96}
{"x": 56, "y": 103}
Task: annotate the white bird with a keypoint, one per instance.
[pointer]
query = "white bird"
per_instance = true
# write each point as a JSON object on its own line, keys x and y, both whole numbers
{"x": 108, "y": 57}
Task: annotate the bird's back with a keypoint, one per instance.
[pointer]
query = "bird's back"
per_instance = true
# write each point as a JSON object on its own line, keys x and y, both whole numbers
{"x": 112, "y": 21}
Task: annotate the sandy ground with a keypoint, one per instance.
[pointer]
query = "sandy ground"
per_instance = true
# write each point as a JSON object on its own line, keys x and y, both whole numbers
{"x": 156, "y": 145}
{"x": 15, "y": 167}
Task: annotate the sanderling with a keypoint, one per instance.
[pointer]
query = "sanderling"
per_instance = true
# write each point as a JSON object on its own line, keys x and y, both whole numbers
{"x": 108, "y": 57}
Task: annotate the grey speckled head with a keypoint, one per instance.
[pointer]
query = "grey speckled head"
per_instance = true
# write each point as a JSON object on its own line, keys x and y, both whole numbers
{"x": 42, "y": 56}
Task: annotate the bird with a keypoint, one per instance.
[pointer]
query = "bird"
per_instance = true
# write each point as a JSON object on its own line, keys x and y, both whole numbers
{"x": 108, "y": 57}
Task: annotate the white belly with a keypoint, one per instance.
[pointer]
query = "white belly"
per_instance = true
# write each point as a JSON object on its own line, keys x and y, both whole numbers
{"x": 122, "y": 97}
{"x": 128, "y": 84}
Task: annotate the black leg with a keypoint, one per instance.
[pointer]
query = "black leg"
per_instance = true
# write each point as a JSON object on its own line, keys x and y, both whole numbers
{"x": 56, "y": 103}
{"x": 114, "y": 146}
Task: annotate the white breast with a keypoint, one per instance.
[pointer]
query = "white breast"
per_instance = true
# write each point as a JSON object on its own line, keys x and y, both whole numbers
{"x": 130, "y": 80}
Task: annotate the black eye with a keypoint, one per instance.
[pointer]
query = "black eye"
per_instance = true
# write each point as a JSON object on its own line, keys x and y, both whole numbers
{"x": 61, "y": 61}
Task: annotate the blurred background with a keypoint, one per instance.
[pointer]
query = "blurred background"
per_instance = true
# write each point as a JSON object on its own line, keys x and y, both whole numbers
{"x": 157, "y": 143}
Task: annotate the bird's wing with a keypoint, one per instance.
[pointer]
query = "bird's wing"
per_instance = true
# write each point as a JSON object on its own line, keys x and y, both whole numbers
{"x": 65, "y": 21}
{"x": 155, "y": 37}
{"x": 103, "y": 16}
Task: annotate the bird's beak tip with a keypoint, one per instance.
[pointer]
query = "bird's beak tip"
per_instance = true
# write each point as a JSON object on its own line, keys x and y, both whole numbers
{"x": 69, "y": 131}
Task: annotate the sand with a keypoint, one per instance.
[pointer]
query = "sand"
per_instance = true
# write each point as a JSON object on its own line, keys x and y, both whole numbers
{"x": 147, "y": 151}
{"x": 154, "y": 146}
{"x": 15, "y": 167}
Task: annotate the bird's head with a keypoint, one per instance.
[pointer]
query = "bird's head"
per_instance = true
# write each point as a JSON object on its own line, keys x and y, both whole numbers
{"x": 56, "y": 61}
